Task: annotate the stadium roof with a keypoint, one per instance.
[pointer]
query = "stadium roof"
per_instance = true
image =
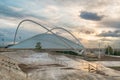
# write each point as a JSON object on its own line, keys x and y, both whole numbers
{"x": 48, "y": 41}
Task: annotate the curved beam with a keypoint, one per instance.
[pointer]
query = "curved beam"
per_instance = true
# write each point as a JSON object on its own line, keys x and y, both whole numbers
{"x": 44, "y": 28}
{"x": 37, "y": 24}
{"x": 67, "y": 32}
{"x": 28, "y": 21}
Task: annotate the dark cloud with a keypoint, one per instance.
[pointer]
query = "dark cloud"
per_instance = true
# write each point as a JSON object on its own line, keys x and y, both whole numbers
{"x": 110, "y": 34}
{"x": 86, "y": 31}
{"x": 112, "y": 23}
{"x": 90, "y": 16}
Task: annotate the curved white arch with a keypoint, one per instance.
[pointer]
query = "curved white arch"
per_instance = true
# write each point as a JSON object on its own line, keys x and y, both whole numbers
{"x": 37, "y": 24}
{"x": 67, "y": 32}
{"x": 28, "y": 21}
{"x": 44, "y": 28}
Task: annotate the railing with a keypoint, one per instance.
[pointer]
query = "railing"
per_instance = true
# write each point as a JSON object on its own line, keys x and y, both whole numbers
{"x": 91, "y": 67}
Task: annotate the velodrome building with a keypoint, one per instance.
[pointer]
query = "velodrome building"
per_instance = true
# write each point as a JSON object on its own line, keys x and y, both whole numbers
{"x": 48, "y": 41}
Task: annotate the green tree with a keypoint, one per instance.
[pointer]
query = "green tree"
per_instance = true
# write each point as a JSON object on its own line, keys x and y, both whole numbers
{"x": 38, "y": 46}
{"x": 117, "y": 53}
{"x": 109, "y": 50}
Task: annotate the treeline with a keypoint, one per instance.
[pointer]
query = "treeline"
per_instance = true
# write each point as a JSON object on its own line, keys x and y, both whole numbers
{"x": 110, "y": 51}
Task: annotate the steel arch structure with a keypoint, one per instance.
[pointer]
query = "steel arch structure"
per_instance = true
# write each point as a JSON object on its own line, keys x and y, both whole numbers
{"x": 28, "y": 20}
{"x": 67, "y": 32}
{"x": 48, "y": 30}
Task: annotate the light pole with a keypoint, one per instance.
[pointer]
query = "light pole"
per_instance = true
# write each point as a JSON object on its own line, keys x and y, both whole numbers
{"x": 108, "y": 49}
{"x": 113, "y": 49}
{"x": 3, "y": 41}
{"x": 99, "y": 55}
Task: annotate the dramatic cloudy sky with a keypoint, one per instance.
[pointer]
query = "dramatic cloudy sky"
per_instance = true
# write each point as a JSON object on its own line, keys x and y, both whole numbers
{"x": 92, "y": 21}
